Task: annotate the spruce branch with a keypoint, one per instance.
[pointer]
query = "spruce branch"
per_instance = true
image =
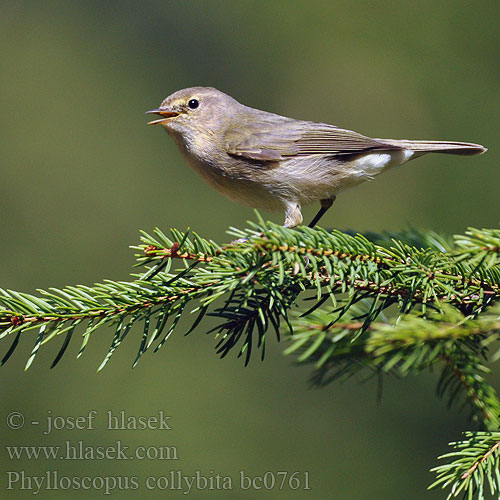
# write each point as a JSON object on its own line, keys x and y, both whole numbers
{"x": 475, "y": 467}
{"x": 260, "y": 278}
{"x": 391, "y": 303}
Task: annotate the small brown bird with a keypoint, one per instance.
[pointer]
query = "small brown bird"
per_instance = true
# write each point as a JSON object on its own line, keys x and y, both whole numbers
{"x": 272, "y": 162}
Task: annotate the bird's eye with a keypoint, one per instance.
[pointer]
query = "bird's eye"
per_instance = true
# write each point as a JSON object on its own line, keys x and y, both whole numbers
{"x": 193, "y": 103}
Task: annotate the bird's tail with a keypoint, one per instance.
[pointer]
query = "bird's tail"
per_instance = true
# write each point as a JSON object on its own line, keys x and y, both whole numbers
{"x": 454, "y": 148}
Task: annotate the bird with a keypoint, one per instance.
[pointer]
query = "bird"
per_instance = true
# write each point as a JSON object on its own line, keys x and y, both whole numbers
{"x": 268, "y": 161}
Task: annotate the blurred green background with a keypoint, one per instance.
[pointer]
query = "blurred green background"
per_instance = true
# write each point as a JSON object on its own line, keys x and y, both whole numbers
{"x": 81, "y": 173}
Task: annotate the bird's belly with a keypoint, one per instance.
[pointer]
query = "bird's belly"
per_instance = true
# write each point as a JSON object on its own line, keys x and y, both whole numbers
{"x": 239, "y": 188}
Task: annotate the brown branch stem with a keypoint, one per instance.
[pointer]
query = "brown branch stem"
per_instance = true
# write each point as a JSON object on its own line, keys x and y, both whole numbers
{"x": 470, "y": 471}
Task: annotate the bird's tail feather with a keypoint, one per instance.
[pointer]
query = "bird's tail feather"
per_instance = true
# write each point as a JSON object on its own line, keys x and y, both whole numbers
{"x": 454, "y": 148}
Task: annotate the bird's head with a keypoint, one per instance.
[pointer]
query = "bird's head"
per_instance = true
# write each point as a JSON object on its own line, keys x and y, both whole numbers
{"x": 195, "y": 110}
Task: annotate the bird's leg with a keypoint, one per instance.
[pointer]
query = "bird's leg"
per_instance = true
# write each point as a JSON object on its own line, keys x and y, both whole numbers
{"x": 293, "y": 215}
{"x": 325, "y": 205}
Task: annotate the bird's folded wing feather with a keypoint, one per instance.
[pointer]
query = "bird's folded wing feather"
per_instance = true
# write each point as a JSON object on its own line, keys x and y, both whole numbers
{"x": 271, "y": 141}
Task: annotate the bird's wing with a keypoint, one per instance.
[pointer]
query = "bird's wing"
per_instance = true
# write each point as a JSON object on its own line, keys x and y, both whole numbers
{"x": 275, "y": 140}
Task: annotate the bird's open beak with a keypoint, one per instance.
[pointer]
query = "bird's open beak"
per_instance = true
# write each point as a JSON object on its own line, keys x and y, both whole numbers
{"x": 165, "y": 113}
